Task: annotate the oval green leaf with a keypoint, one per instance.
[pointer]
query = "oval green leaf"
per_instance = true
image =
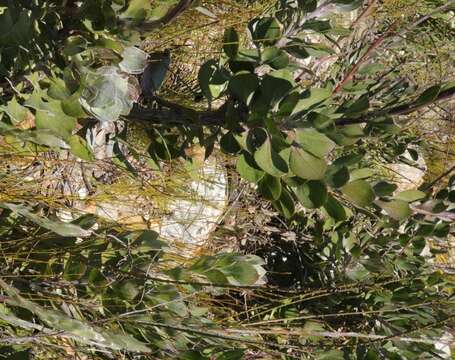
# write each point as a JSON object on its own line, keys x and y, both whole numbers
{"x": 305, "y": 165}
{"x": 359, "y": 192}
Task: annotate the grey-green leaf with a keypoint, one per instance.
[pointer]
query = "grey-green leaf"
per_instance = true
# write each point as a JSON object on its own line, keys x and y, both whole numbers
{"x": 396, "y": 209}
{"x": 60, "y": 228}
{"x": 134, "y": 60}
{"x": 270, "y": 187}
{"x": 335, "y": 209}
{"x": 312, "y": 194}
{"x": 359, "y": 192}
{"x": 231, "y": 42}
{"x": 247, "y": 168}
{"x": 269, "y": 160}
{"x": 306, "y": 165}
{"x": 243, "y": 85}
{"x": 314, "y": 142}
{"x": 285, "y": 204}
{"x": 411, "y": 195}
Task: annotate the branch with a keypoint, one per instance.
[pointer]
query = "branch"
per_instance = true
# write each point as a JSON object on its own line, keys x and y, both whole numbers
{"x": 175, "y": 114}
{"x": 378, "y": 42}
{"x": 443, "y": 175}
{"x": 390, "y": 33}
{"x": 444, "y": 215}
{"x": 408, "y": 108}
{"x": 364, "y": 13}
{"x": 398, "y": 110}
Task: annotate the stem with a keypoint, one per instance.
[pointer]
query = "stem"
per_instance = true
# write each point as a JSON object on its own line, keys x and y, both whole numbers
{"x": 435, "y": 181}
{"x": 398, "y": 110}
{"x": 389, "y": 33}
{"x": 363, "y": 14}
{"x": 378, "y": 42}
{"x": 445, "y": 215}
{"x": 176, "y": 114}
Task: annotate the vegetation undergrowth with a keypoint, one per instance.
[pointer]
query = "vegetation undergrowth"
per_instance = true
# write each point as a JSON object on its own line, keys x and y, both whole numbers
{"x": 319, "y": 254}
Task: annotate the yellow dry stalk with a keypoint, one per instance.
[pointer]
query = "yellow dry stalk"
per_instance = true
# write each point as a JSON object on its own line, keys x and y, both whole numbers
{"x": 133, "y": 202}
{"x": 195, "y": 37}
{"x": 396, "y": 9}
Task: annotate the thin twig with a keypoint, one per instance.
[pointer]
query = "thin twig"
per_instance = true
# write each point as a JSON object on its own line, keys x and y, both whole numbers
{"x": 363, "y": 14}
{"x": 378, "y": 42}
{"x": 435, "y": 181}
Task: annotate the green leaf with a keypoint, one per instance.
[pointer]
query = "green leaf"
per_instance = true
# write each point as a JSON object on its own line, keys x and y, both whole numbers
{"x": 349, "y": 159}
{"x": 396, "y": 209}
{"x": 314, "y": 142}
{"x": 335, "y": 209}
{"x": 75, "y": 268}
{"x": 231, "y": 42}
{"x": 229, "y": 144}
{"x": 307, "y": 5}
{"x": 310, "y": 98}
{"x": 212, "y": 79}
{"x": 383, "y": 188}
{"x": 155, "y": 72}
{"x": 305, "y": 165}
{"x": 275, "y": 57}
{"x": 72, "y": 107}
{"x": 411, "y": 195}
{"x": 371, "y": 69}
{"x": 276, "y": 85}
{"x": 59, "y": 123}
{"x": 134, "y": 60}
{"x": 312, "y": 194}
{"x": 265, "y": 30}
{"x": 240, "y": 273}
{"x": 363, "y": 173}
{"x": 270, "y": 187}
{"x": 331, "y": 355}
{"x": 216, "y": 277}
{"x": 296, "y": 49}
{"x": 127, "y": 289}
{"x": 58, "y": 227}
{"x": 285, "y": 204}
{"x": 237, "y": 354}
{"x": 318, "y": 50}
{"x": 246, "y": 60}
{"x": 359, "y": 106}
{"x": 74, "y": 45}
{"x": 109, "y": 94}
{"x": 337, "y": 176}
{"x": 137, "y": 11}
{"x": 161, "y": 9}
{"x": 16, "y": 112}
{"x": 269, "y": 160}
{"x": 77, "y": 330}
{"x": 243, "y": 85}
{"x": 359, "y": 192}
{"x": 148, "y": 240}
{"x": 320, "y": 26}
{"x": 79, "y": 148}
{"x": 247, "y": 168}
{"x": 40, "y": 137}
{"x": 428, "y": 96}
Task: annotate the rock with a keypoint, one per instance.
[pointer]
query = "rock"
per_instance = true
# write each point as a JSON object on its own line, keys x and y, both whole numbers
{"x": 405, "y": 176}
